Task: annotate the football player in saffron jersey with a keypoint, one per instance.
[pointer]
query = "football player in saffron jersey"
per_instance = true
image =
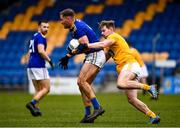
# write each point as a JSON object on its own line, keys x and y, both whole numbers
{"x": 36, "y": 70}
{"x": 127, "y": 68}
{"x": 144, "y": 72}
{"x": 94, "y": 61}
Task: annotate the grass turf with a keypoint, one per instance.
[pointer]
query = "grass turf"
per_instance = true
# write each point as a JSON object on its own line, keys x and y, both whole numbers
{"x": 67, "y": 110}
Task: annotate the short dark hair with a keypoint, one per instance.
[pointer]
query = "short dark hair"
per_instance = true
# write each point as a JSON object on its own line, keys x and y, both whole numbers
{"x": 107, "y": 23}
{"x": 67, "y": 12}
{"x": 42, "y": 21}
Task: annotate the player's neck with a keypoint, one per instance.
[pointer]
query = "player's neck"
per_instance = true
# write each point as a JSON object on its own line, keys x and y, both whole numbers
{"x": 42, "y": 34}
{"x": 73, "y": 28}
{"x": 111, "y": 33}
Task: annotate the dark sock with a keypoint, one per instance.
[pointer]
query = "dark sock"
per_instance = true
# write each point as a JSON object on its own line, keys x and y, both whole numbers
{"x": 87, "y": 110}
{"x": 95, "y": 103}
{"x": 34, "y": 102}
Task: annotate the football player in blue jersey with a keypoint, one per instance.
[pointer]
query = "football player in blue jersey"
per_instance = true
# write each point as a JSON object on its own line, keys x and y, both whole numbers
{"x": 94, "y": 61}
{"x": 36, "y": 70}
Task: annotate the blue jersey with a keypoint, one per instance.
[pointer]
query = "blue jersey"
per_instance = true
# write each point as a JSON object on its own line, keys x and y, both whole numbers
{"x": 82, "y": 29}
{"x": 35, "y": 59}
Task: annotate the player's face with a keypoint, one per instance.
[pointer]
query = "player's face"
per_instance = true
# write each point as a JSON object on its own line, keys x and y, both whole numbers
{"x": 66, "y": 21}
{"x": 44, "y": 27}
{"x": 105, "y": 31}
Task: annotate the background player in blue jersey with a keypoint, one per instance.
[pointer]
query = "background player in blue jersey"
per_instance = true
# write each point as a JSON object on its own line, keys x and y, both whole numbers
{"x": 95, "y": 59}
{"x": 36, "y": 70}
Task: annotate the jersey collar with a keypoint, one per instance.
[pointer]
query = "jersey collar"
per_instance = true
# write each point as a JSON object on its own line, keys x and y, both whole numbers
{"x": 73, "y": 29}
{"x": 42, "y": 34}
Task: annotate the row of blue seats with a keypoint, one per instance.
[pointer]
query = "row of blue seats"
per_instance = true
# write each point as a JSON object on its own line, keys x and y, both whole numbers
{"x": 15, "y": 9}
{"x": 11, "y": 71}
{"x": 14, "y": 81}
{"x": 60, "y": 5}
{"x": 173, "y": 7}
{"x": 166, "y": 38}
{"x": 158, "y": 71}
{"x": 13, "y": 77}
{"x": 109, "y": 13}
{"x": 136, "y": 5}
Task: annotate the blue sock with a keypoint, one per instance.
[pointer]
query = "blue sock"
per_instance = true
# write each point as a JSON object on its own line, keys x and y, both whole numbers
{"x": 95, "y": 103}
{"x": 34, "y": 102}
{"x": 88, "y": 110}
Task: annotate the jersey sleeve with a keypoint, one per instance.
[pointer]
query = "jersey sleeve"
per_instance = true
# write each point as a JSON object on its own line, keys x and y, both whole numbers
{"x": 40, "y": 40}
{"x": 80, "y": 33}
{"x": 112, "y": 37}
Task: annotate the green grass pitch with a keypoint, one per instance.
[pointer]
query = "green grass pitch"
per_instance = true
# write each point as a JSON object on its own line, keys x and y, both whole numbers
{"x": 67, "y": 110}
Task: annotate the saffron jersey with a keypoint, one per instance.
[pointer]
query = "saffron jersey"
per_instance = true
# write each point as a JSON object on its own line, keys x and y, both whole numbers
{"x": 137, "y": 56}
{"x": 120, "y": 51}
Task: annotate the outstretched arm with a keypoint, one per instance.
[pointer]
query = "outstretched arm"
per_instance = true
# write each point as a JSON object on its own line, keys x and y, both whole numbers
{"x": 102, "y": 44}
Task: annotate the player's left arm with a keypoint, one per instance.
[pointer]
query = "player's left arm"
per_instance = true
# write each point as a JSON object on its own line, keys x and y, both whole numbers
{"x": 63, "y": 62}
{"x": 80, "y": 49}
{"x": 44, "y": 55}
{"x": 102, "y": 44}
{"x": 84, "y": 40}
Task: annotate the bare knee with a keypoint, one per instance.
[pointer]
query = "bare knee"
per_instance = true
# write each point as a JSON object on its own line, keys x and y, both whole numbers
{"x": 80, "y": 82}
{"x": 131, "y": 100}
{"x": 46, "y": 88}
{"x": 121, "y": 84}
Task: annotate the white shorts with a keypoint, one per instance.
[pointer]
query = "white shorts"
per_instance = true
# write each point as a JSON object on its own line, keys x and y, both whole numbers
{"x": 38, "y": 73}
{"x": 144, "y": 72}
{"x": 96, "y": 58}
{"x": 133, "y": 67}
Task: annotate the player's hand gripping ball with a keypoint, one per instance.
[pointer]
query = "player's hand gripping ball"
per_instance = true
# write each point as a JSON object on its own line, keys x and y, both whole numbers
{"x": 72, "y": 46}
